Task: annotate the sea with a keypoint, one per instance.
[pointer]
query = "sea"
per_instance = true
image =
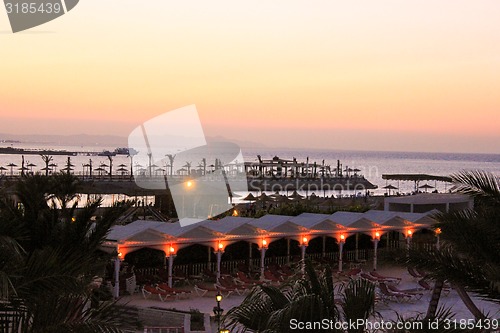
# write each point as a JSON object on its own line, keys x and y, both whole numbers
{"x": 373, "y": 164}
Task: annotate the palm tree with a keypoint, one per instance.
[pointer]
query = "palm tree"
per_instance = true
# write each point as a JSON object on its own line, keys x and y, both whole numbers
{"x": 308, "y": 299}
{"x": 49, "y": 260}
{"x": 46, "y": 159}
{"x": 171, "y": 158}
{"x": 131, "y": 153}
{"x": 470, "y": 243}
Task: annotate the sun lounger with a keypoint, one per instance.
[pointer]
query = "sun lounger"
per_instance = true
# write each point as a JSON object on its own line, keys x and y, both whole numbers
{"x": 202, "y": 290}
{"x": 388, "y": 295}
{"x": 426, "y": 286}
{"x": 162, "y": 295}
{"x": 244, "y": 279}
{"x": 180, "y": 293}
{"x": 386, "y": 278}
{"x": 413, "y": 291}
{"x": 414, "y": 273}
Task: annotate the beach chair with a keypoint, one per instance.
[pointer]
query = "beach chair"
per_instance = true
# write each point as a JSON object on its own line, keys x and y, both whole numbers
{"x": 179, "y": 293}
{"x": 204, "y": 289}
{"x": 388, "y": 295}
{"x": 244, "y": 279}
{"x": 149, "y": 290}
{"x": 385, "y": 278}
{"x": 414, "y": 273}
{"x": 426, "y": 286}
{"x": 225, "y": 284}
{"x": 413, "y": 291}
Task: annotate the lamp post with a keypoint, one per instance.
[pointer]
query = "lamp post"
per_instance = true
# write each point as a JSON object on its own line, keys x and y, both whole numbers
{"x": 409, "y": 234}
{"x": 438, "y": 232}
{"x": 218, "y": 310}
{"x": 170, "y": 256}
{"x": 220, "y": 251}
{"x": 263, "y": 249}
{"x": 341, "y": 248}
{"x": 376, "y": 239}
{"x": 303, "y": 246}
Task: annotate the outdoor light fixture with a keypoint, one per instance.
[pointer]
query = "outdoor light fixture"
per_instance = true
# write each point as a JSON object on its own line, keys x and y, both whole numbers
{"x": 218, "y": 310}
{"x": 172, "y": 250}
{"x": 409, "y": 233}
{"x": 304, "y": 241}
{"x": 189, "y": 183}
{"x": 438, "y": 231}
{"x": 221, "y": 246}
{"x": 342, "y": 237}
{"x": 235, "y": 213}
{"x": 264, "y": 244}
{"x": 377, "y": 235}
{"x": 120, "y": 254}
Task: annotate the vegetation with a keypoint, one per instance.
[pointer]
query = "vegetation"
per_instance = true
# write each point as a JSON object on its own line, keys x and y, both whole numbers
{"x": 50, "y": 261}
{"x": 470, "y": 245}
{"x": 309, "y": 299}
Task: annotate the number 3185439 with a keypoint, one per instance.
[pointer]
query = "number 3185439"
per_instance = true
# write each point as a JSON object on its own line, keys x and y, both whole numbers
{"x": 33, "y": 8}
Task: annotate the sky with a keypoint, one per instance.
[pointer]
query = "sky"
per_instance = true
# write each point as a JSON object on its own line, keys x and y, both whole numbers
{"x": 368, "y": 75}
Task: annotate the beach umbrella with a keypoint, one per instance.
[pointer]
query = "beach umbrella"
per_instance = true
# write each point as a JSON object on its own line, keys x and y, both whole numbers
{"x": 295, "y": 196}
{"x": 426, "y": 187}
{"x": 122, "y": 170}
{"x": 31, "y": 165}
{"x": 2, "y": 169}
{"x": 100, "y": 170}
{"x": 122, "y": 165}
{"x": 249, "y": 197}
{"x": 11, "y": 165}
{"x": 390, "y": 187}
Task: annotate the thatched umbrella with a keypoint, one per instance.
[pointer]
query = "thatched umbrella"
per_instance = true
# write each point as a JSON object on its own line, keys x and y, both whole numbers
{"x": 295, "y": 196}
{"x": 426, "y": 187}
{"x": 2, "y": 169}
{"x": 390, "y": 187}
{"x": 31, "y": 165}
{"x": 11, "y": 165}
{"x": 249, "y": 197}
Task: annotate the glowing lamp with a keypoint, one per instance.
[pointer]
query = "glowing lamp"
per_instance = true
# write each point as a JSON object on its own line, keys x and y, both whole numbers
{"x": 377, "y": 235}
{"x": 264, "y": 243}
{"x": 409, "y": 233}
{"x": 342, "y": 237}
{"x": 120, "y": 255}
{"x": 172, "y": 250}
{"x": 235, "y": 213}
{"x": 189, "y": 184}
{"x": 438, "y": 231}
{"x": 218, "y": 297}
{"x": 73, "y": 219}
{"x": 221, "y": 246}
{"x": 304, "y": 240}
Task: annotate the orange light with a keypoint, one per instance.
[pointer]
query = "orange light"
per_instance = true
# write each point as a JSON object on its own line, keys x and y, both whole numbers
{"x": 189, "y": 183}
{"x": 264, "y": 243}
{"x": 172, "y": 250}
{"x": 342, "y": 237}
{"x": 120, "y": 254}
{"x": 304, "y": 240}
{"x": 235, "y": 213}
{"x": 409, "y": 232}
{"x": 438, "y": 231}
{"x": 221, "y": 246}
{"x": 73, "y": 219}
{"x": 377, "y": 235}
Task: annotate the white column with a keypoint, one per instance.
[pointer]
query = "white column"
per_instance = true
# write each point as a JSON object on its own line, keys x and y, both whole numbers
{"x": 341, "y": 249}
{"x": 219, "y": 258}
{"x": 408, "y": 243}
{"x": 288, "y": 251}
{"x": 323, "y": 250}
{"x": 117, "y": 278}
{"x": 438, "y": 246}
{"x": 303, "y": 265}
{"x": 356, "y": 252}
{"x": 170, "y": 269}
{"x": 262, "y": 265}
{"x": 375, "y": 245}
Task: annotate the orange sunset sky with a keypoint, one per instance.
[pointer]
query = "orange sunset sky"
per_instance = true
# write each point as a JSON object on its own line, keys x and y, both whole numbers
{"x": 369, "y": 75}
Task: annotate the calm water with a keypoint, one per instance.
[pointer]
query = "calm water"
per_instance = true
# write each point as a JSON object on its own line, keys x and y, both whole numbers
{"x": 372, "y": 164}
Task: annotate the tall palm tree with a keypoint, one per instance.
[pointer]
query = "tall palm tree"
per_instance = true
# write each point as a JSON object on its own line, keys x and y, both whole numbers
{"x": 50, "y": 257}
{"x": 46, "y": 159}
{"x": 308, "y": 299}
{"x": 171, "y": 158}
{"x": 470, "y": 244}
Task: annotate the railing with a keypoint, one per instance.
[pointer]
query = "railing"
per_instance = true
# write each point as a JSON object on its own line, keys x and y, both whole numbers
{"x": 163, "y": 330}
{"x": 231, "y": 266}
